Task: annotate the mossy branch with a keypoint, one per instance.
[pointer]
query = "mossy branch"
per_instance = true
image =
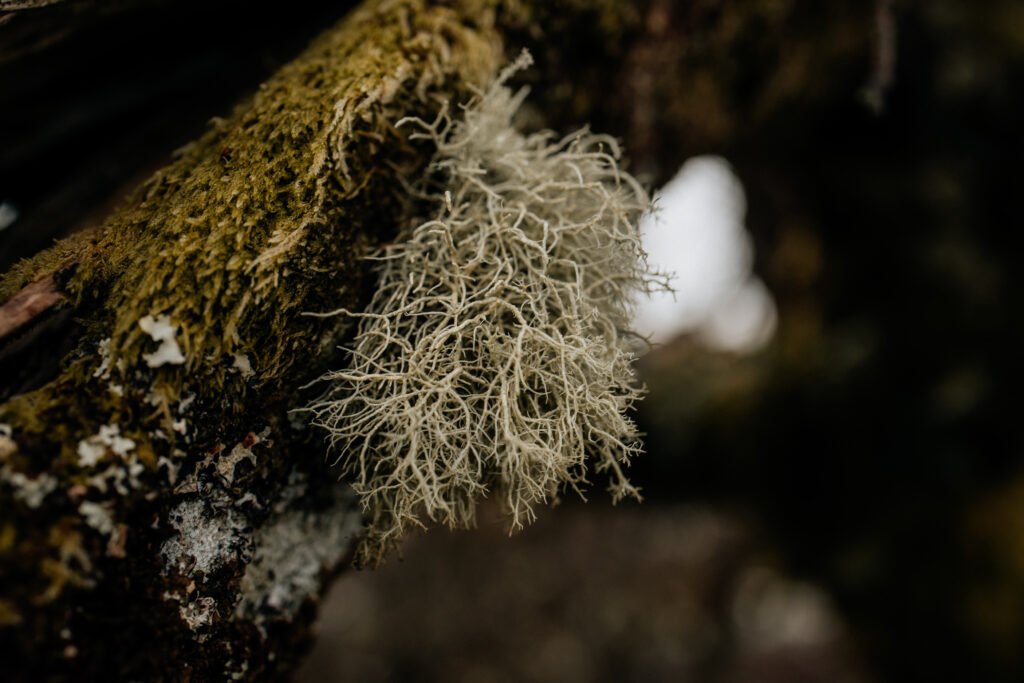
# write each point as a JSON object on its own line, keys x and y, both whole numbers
{"x": 151, "y": 486}
{"x": 156, "y": 476}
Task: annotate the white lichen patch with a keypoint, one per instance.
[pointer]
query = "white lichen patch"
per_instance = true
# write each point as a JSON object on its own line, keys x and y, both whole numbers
{"x": 205, "y": 538}
{"x": 103, "y": 348}
{"x": 122, "y": 476}
{"x": 90, "y": 452}
{"x": 243, "y": 365}
{"x": 494, "y": 355}
{"x": 160, "y": 329}
{"x": 31, "y": 490}
{"x": 292, "y": 554}
{"x": 92, "y": 449}
{"x": 97, "y": 516}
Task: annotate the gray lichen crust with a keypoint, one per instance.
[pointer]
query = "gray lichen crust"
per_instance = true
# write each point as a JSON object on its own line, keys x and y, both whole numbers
{"x": 493, "y": 356}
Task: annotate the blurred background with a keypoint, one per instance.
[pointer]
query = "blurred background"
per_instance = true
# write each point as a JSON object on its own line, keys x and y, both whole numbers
{"x": 834, "y": 480}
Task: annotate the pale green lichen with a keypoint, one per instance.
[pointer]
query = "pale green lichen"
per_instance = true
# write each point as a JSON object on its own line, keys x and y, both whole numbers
{"x": 493, "y": 357}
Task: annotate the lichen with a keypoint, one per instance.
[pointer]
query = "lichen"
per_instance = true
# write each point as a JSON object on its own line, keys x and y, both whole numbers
{"x": 292, "y": 555}
{"x": 493, "y": 355}
{"x": 97, "y": 516}
{"x": 30, "y": 490}
{"x": 160, "y": 329}
{"x": 205, "y": 539}
{"x": 109, "y": 438}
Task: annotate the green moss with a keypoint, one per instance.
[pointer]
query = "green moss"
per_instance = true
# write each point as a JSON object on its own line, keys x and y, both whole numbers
{"x": 263, "y": 218}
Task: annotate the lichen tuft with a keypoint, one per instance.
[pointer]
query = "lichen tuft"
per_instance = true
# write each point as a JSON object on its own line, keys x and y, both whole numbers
{"x": 493, "y": 356}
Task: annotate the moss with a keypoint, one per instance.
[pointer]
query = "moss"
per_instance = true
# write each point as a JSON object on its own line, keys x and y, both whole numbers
{"x": 262, "y": 206}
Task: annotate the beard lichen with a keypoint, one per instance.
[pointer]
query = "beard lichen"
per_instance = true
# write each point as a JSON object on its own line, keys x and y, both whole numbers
{"x": 493, "y": 356}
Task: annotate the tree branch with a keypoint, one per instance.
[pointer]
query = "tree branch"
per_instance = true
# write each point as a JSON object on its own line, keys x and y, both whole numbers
{"x": 165, "y": 514}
